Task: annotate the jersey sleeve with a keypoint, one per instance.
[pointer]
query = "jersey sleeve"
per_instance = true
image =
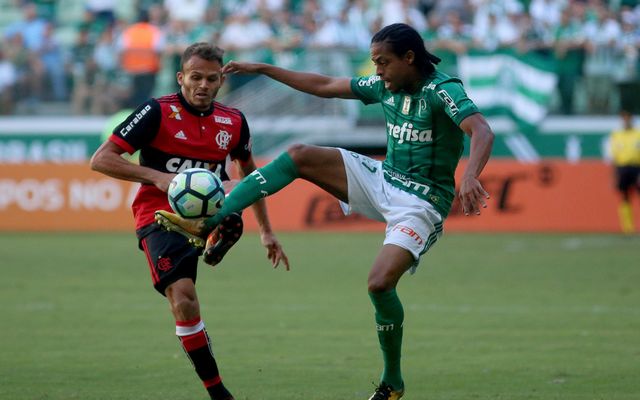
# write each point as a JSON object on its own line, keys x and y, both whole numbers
{"x": 242, "y": 151}
{"x": 367, "y": 89}
{"x": 139, "y": 128}
{"x": 454, "y": 101}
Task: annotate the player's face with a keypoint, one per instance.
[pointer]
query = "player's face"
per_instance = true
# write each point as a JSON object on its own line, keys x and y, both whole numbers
{"x": 200, "y": 81}
{"x": 396, "y": 72}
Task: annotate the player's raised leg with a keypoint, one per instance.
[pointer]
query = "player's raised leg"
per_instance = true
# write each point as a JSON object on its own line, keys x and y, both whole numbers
{"x": 392, "y": 262}
{"x": 322, "y": 166}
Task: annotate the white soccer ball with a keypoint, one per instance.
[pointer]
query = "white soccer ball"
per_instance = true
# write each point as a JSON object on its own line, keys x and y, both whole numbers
{"x": 196, "y": 193}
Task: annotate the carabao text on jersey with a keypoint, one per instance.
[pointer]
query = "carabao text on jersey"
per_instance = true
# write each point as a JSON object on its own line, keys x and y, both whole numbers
{"x": 135, "y": 120}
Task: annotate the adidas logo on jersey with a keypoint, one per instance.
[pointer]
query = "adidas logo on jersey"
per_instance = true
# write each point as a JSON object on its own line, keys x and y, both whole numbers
{"x": 390, "y": 101}
{"x": 180, "y": 135}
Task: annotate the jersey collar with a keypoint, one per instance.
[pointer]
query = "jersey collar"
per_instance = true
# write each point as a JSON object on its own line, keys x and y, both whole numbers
{"x": 192, "y": 110}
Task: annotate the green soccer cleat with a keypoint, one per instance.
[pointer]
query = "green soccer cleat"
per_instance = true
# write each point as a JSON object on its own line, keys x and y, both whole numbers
{"x": 193, "y": 229}
{"x": 386, "y": 392}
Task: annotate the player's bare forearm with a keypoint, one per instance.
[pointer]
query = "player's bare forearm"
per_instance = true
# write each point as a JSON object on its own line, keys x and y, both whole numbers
{"x": 481, "y": 143}
{"x": 308, "y": 82}
{"x": 472, "y": 194}
{"x": 108, "y": 160}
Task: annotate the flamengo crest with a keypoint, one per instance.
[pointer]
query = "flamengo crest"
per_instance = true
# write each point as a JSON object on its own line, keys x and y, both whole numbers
{"x": 222, "y": 139}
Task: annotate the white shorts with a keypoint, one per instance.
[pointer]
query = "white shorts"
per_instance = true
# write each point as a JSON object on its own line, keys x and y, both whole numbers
{"x": 412, "y": 223}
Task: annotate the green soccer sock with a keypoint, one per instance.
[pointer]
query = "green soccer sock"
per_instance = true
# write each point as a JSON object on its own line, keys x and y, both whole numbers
{"x": 389, "y": 319}
{"x": 260, "y": 183}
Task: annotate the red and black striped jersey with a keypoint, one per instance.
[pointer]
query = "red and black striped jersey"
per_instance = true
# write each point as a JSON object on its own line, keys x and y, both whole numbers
{"x": 173, "y": 136}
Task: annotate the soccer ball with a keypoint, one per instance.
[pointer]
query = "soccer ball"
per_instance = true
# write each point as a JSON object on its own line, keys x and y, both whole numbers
{"x": 196, "y": 193}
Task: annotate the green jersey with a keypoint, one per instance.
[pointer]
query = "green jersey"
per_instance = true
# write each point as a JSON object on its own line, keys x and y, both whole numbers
{"x": 424, "y": 140}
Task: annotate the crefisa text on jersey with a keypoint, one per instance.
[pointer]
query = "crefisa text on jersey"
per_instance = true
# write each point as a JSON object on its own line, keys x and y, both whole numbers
{"x": 406, "y": 133}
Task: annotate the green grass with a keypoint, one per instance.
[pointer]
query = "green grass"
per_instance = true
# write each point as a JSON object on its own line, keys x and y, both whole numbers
{"x": 487, "y": 317}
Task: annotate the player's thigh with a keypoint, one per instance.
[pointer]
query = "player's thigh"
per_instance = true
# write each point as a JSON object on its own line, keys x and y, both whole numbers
{"x": 322, "y": 166}
{"x": 170, "y": 257}
{"x": 412, "y": 224}
{"x": 390, "y": 264}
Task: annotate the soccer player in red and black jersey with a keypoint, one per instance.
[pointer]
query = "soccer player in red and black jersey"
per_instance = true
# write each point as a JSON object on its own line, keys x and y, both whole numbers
{"x": 184, "y": 130}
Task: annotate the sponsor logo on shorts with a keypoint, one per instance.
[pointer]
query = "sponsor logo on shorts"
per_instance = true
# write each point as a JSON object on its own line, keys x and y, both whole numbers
{"x": 164, "y": 264}
{"x": 409, "y": 232}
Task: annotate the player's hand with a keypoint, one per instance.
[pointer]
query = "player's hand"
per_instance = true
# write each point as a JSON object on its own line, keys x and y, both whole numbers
{"x": 472, "y": 195}
{"x": 163, "y": 180}
{"x": 275, "y": 254}
{"x": 237, "y": 67}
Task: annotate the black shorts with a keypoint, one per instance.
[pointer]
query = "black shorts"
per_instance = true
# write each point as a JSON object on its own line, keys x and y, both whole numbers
{"x": 169, "y": 254}
{"x": 628, "y": 177}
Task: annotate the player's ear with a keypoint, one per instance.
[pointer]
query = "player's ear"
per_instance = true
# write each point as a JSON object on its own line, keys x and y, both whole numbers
{"x": 410, "y": 57}
{"x": 179, "y": 77}
{"x": 223, "y": 78}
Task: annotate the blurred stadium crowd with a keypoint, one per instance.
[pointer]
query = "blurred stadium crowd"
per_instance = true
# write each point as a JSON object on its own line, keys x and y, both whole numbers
{"x": 98, "y": 56}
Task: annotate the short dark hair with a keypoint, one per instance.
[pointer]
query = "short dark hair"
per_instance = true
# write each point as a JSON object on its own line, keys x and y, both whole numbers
{"x": 402, "y": 38}
{"x": 204, "y": 50}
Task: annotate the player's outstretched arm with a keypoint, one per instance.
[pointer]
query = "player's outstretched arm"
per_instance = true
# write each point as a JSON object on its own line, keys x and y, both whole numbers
{"x": 312, "y": 83}
{"x": 275, "y": 252}
{"x": 472, "y": 194}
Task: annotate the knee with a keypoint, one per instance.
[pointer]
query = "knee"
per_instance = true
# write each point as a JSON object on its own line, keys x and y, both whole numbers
{"x": 183, "y": 303}
{"x": 379, "y": 283}
{"x": 299, "y": 153}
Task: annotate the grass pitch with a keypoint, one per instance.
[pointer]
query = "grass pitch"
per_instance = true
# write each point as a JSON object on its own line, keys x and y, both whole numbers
{"x": 486, "y": 317}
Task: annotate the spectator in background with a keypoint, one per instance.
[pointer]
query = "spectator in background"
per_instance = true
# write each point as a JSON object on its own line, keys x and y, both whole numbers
{"x": 404, "y": 11}
{"x": 30, "y": 72}
{"x": 452, "y": 39}
{"x": 287, "y": 39}
{"x": 189, "y": 11}
{"x": 32, "y": 28}
{"x": 102, "y": 12}
{"x": 624, "y": 145}
{"x": 546, "y": 15}
{"x": 601, "y": 34}
{"x": 8, "y": 81}
{"x": 209, "y": 30}
{"x": 111, "y": 89}
{"x": 83, "y": 72}
{"x": 141, "y": 45}
{"x": 626, "y": 72}
{"x": 569, "y": 53}
{"x": 25, "y": 39}
{"x": 530, "y": 36}
{"x": 53, "y": 58}
{"x": 248, "y": 37}
{"x": 500, "y": 31}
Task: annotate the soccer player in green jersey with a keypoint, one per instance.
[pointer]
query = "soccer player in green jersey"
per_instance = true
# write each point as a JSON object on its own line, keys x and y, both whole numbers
{"x": 427, "y": 114}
